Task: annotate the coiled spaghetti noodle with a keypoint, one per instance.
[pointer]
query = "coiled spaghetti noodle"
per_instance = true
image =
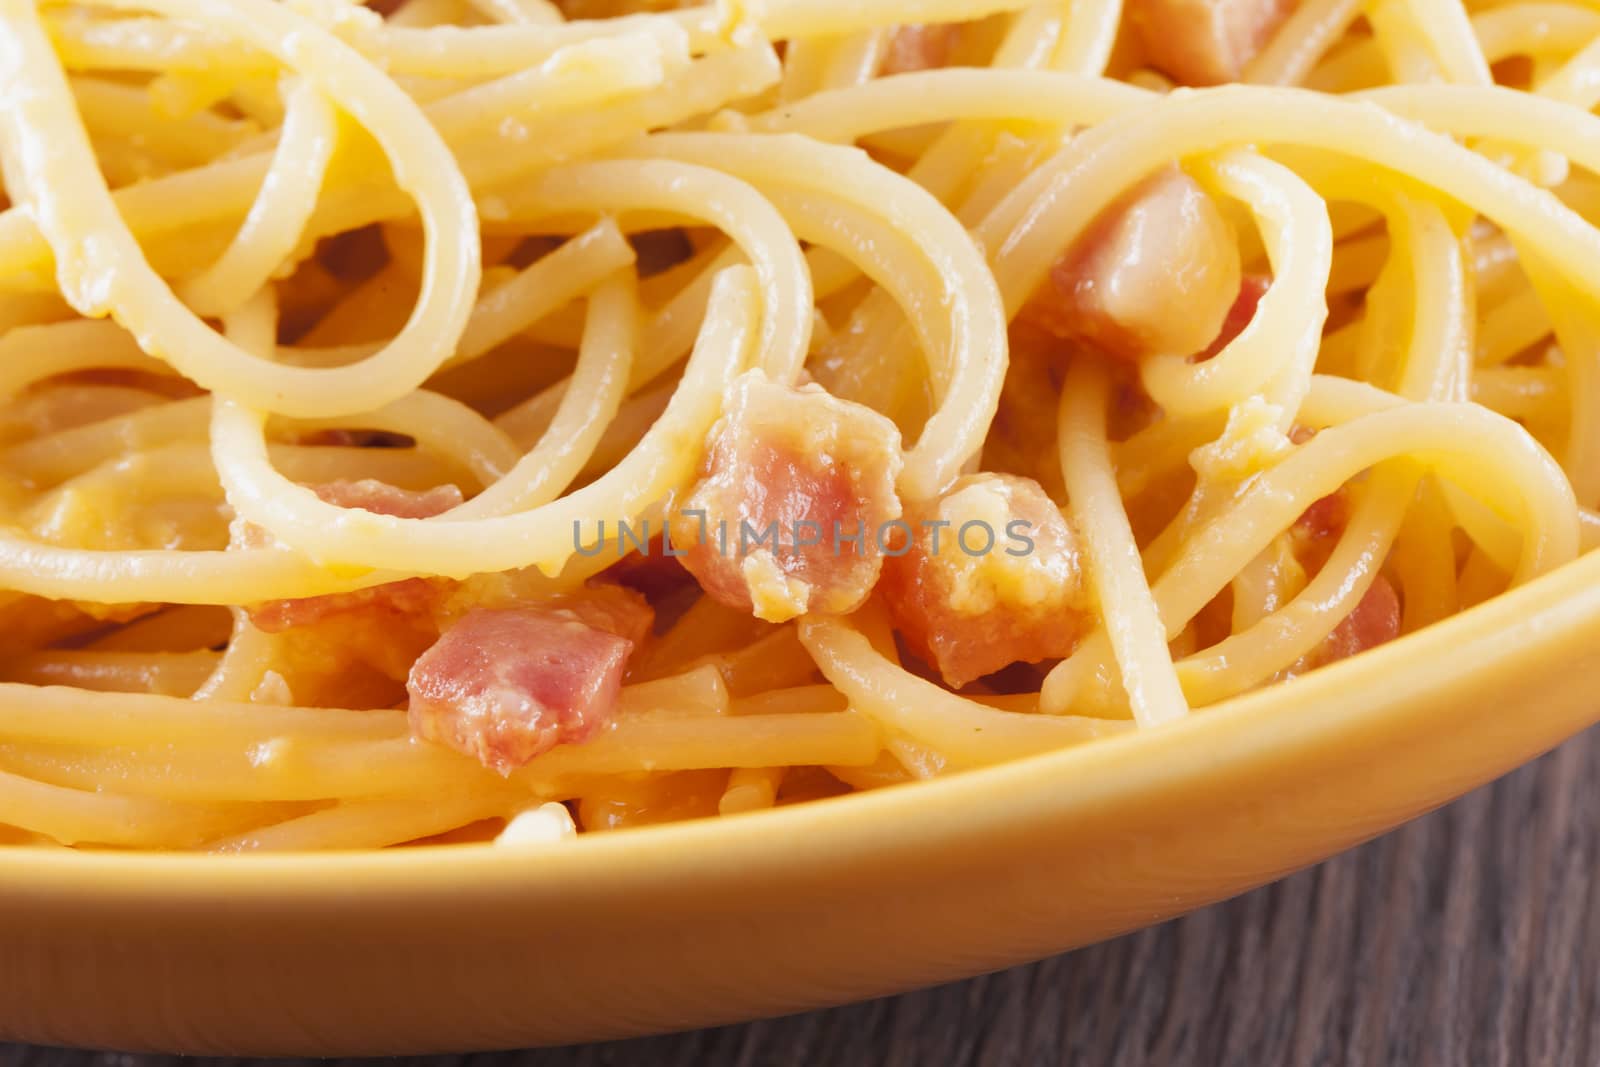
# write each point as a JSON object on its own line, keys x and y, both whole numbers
{"x": 251, "y": 250}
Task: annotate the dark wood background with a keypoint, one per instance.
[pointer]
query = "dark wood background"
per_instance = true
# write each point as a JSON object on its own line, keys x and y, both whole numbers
{"x": 1469, "y": 937}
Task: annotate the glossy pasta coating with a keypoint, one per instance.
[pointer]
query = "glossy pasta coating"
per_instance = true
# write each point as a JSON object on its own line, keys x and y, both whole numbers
{"x": 569, "y": 263}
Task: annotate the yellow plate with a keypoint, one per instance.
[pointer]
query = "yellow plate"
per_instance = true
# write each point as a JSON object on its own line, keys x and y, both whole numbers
{"x": 723, "y": 920}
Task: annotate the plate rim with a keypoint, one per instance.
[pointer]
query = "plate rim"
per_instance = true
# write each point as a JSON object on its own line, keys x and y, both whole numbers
{"x": 830, "y": 831}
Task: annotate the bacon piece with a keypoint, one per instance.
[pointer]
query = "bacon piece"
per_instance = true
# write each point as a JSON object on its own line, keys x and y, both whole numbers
{"x": 796, "y": 488}
{"x": 1156, "y": 274}
{"x": 605, "y": 605}
{"x": 1205, "y": 42}
{"x": 612, "y": 608}
{"x": 406, "y": 598}
{"x": 970, "y": 612}
{"x": 1316, "y": 531}
{"x": 1251, "y": 290}
{"x": 506, "y": 686}
{"x": 1375, "y": 620}
{"x": 919, "y": 46}
{"x": 381, "y": 498}
{"x": 1325, "y": 518}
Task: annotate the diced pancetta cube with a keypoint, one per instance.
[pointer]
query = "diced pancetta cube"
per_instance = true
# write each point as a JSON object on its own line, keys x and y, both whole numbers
{"x": 1155, "y": 274}
{"x": 796, "y": 489}
{"x": 612, "y": 608}
{"x": 1205, "y": 42}
{"x": 919, "y": 46}
{"x": 1325, "y": 518}
{"x": 1251, "y": 290}
{"x": 603, "y": 604}
{"x": 506, "y": 686}
{"x": 992, "y": 577}
{"x": 381, "y": 498}
{"x": 1375, "y": 620}
{"x": 1317, "y": 530}
{"x": 408, "y": 597}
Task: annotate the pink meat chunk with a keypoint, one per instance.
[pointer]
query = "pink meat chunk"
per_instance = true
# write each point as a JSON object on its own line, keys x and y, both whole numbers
{"x": 381, "y": 498}
{"x": 1155, "y": 274}
{"x": 1251, "y": 290}
{"x": 1205, "y": 42}
{"x": 1376, "y": 617}
{"x": 1375, "y": 620}
{"x": 919, "y": 46}
{"x": 506, "y": 686}
{"x": 610, "y": 607}
{"x": 970, "y": 612}
{"x": 796, "y": 487}
{"x": 408, "y": 597}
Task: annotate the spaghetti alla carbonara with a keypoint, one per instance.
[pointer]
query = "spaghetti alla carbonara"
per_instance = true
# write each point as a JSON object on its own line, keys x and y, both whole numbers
{"x": 491, "y": 420}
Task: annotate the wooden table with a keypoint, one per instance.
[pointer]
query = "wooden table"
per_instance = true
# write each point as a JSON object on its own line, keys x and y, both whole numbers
{"x": 1471, "y": 936}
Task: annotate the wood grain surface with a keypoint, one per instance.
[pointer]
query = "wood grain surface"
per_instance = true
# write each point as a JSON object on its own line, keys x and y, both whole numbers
{"x": 1469, "y": 937}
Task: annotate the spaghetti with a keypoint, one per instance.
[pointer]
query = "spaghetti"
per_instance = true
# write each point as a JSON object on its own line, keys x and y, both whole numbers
{"x": 509, "y": 419}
